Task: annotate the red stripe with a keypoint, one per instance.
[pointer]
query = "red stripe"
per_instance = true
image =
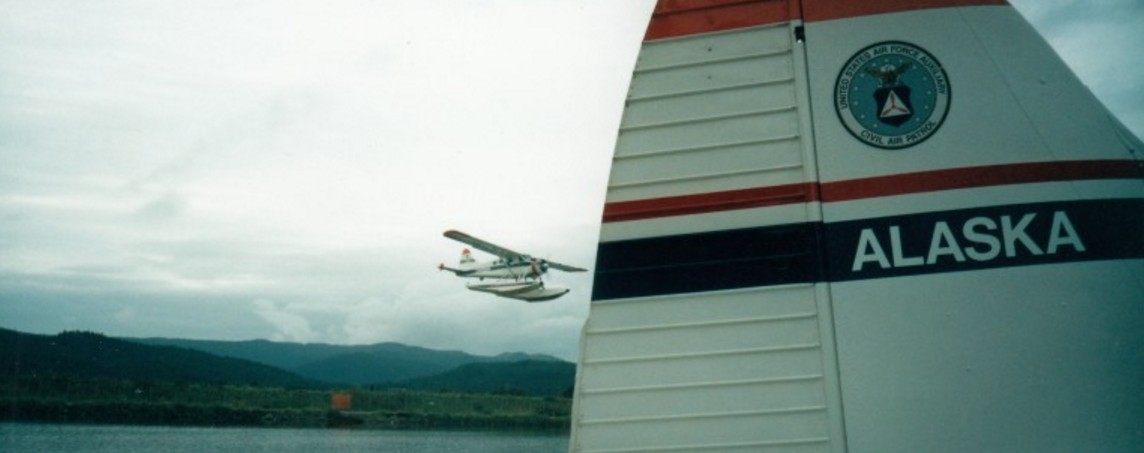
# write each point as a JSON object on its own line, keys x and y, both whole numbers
{"x": 816, "y": 10}
{"x": 688, "y": 17}
{"x": 621, "y": 211}
{"x": 874, "y": 187}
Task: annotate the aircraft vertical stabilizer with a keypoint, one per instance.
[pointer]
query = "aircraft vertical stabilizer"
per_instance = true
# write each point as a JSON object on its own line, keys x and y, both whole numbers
{"x": 863, "y": 226}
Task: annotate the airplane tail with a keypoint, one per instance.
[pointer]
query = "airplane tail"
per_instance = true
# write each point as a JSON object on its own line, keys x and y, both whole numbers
{"x": 886, "y": 223}
{"x": 466, "y": 258}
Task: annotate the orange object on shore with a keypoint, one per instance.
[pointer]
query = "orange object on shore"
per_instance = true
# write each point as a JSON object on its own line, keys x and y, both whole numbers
{"x": 341, "y": 401}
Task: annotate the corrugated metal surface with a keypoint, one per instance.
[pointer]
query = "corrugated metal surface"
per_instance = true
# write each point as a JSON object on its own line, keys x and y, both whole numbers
{"x": 729, "y": 370}
{"x": 708, "y": 113}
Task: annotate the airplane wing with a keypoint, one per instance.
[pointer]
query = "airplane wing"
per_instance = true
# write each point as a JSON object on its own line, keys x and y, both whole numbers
{"x": 564, "y": 267}
{"x": 485, "y": 246}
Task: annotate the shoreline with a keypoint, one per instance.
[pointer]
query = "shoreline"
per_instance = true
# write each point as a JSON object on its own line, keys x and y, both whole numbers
{"x": 27, "y": 410}
{"x": 103, "y": 401}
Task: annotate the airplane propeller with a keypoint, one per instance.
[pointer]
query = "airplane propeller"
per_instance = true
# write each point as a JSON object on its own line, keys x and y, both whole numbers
{"x": 538, "y": 267}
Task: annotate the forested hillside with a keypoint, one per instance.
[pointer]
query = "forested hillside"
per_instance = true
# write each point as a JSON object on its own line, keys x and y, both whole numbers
{"x": 91, "y": 355}
{"x": 360, "y": 365}
{"x": 526, "y": 377}
{"x": 90, "y": 378}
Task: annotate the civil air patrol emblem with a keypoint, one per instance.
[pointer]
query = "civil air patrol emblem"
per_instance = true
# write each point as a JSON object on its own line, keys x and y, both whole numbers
{"x": 892, "y": 95}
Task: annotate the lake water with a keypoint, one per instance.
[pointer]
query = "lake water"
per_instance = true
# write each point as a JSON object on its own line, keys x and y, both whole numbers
{"x": 31, "y": 437}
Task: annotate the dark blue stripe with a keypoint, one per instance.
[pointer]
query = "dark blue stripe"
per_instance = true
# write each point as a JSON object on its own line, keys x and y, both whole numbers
{"x": 764, "y": 256}
{"x": 707, "y": 261}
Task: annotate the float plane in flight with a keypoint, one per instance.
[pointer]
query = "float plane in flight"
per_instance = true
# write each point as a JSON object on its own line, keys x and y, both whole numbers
{"x": 515, "y": 275}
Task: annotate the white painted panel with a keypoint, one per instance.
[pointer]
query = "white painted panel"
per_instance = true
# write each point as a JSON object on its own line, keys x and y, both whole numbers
{"x": 700, "y": 104}
{"x": 742, "y": 333}
{"x": 1032, "y": 358}
{"x": 984, "y": 196}
{"x": 983, "y": 126}
{"x": 755, "y": 394}
{"x": 710, "y": 113}
{"x": 808, "y": 427}
{"x": 734, "y": 128}
{"x": 705, "y": 183}
{"x": 695, "y": 49}
{"x": 776, "y": 155}
{"x": 736, "y": 370}
{"x": 731, "y": 365}
{"x": 705, "y": 307}
{"x": 712, "y": 76}
{"x": 698, "y": 223}
{"x": 1036, "y": 358}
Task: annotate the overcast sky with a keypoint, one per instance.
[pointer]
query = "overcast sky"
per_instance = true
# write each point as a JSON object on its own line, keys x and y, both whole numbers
{"x": 284, "y": 170}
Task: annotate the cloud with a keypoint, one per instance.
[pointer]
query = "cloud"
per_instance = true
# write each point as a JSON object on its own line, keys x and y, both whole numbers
{"x": 289, "y": 326}
{"x": 1099, "y": 40}
{"x": 284, "y": 169}
{"x": 125, "y": 315}
{"x": 166, "y": 207}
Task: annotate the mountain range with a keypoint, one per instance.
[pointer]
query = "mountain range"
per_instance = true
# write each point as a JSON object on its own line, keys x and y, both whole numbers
{"x": 291, "y": 365}
{"x": 360, "y": 365}
{"x": 94, "y": 356}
